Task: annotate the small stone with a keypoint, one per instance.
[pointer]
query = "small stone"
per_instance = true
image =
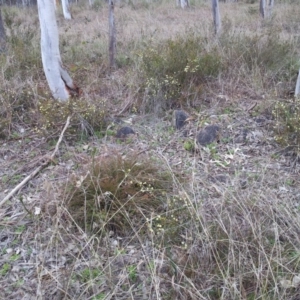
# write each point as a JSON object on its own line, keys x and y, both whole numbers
{"x": 124, "y": 131}
{"x": 208, "y": 135}
{"x": 179, "y": 118}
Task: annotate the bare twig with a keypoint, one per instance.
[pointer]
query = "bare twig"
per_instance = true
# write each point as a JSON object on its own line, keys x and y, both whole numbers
{"x": 39, "y": 168}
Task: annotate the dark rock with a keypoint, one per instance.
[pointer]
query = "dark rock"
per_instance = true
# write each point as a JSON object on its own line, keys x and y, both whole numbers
{"x": 208, "y": 135}
{"x": 124, "y": 131}
{"x": 179, "y": 118}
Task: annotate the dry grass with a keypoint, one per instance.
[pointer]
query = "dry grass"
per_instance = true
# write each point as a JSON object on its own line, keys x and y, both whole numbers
{"x": 142, "y": 218}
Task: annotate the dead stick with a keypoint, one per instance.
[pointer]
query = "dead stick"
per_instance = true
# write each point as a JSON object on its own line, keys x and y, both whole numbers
{"x": 39, "y": 168}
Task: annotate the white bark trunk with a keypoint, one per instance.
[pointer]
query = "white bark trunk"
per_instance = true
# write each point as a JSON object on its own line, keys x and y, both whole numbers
{"x": 112, "y": 34}
{"x": 271, "y": 4}
{"x": 184, "y": 4}
{"x": 216, "y": 16}
{"x": 66, "y": 10}
{"x": 262, "y": 8}
{"x": 297, "y": 89}
{"x": 2, "y": 34}
{"x": 58, "y": 79}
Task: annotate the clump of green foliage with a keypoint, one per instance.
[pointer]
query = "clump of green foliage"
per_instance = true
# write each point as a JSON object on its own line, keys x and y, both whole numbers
{"x": 131, "y": 193}
{"x": 84, "y": 114}
{"x": 176, "y": 71}
{"x": 287, "y": 129}
{"x": 173, "y": 67}
{"x": 46, "y": 114}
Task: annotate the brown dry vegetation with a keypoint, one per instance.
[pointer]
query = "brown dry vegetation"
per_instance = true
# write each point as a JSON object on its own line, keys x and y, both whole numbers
{"x": 143, "y": 218}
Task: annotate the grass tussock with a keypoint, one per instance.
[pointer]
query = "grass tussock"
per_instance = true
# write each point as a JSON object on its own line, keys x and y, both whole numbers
{"x": 124, "y": 193}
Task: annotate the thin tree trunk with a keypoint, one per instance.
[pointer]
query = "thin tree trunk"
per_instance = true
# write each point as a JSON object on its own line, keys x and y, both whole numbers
{"x": 262, "y": 8}
{"x": 271, "y": 5}
{"x": 59, "y": 80}
{"x": 184, "y": 4}
{"x": 66, "y": 10}
{"x": 297, "y": 89}
{"x": 216, "y": 16}
{"x": 2, "y": 34}
{"x": 112, "y": 35}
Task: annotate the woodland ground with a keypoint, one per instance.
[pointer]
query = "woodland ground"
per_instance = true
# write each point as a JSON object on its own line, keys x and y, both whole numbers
{"x": 154, "y": 216}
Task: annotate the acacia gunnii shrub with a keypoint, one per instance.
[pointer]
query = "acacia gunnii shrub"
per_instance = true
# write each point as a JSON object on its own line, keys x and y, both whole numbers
{"x": 86, "y": 115}
{"x": 287, "y": 128}
{"x": 173, "y": 67}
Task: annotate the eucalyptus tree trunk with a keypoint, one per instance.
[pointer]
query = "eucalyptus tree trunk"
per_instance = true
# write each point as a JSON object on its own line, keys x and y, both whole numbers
{"x": 183, "y": 3}
{"x": 262, "y": 8}
{"x": 297, "y": 89}
{"x": 2, "y": 34}
{"x": 271, "y": 5}
{"x": 112, "y": 35}
{"x": 66, "y": 10}
{"x": 59, "y": 81}
{"x": 216, "y": 16}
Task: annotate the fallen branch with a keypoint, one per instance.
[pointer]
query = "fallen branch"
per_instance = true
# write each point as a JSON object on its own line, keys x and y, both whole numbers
{"x": 39, "y": 168}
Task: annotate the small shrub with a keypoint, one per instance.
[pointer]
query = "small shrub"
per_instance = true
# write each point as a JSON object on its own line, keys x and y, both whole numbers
{"x": 287, "y": 129}
{"x": 97, "y": 5}
{"x": 86, "y": 115}
{"x": 172, "y": 67}
{"x": 16, "y": 108}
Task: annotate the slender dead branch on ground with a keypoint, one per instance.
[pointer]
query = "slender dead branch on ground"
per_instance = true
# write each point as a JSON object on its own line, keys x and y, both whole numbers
{"x": 39, "y": 168}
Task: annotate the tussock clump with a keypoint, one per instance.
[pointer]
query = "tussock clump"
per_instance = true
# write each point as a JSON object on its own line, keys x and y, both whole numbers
{"x": 122, "y": 193}
{"x": 266, "y": 58}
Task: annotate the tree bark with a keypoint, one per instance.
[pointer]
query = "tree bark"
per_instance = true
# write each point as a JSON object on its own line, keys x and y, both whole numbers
{"x": 216, "y": 16}
{"x": 66, "y": 10}
{"x": 112, "y": 35}
{"x": 2, "y": 34}
{"x": 183, "y": 3}
{"x": 297, "y": 89}
{"x": 59, "y": 81}
{"x": 271, "y": 5}
{"x": 262, "y": 8}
